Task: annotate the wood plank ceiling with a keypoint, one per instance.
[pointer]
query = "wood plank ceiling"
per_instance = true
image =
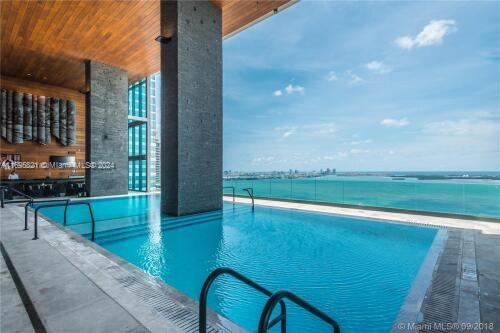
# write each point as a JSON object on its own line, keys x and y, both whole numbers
{"x": 48, "y": 41}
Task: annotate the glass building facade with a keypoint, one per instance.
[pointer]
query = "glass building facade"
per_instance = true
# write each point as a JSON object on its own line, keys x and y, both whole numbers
{"x": 137, "y": 137}
{"x": 154, "y": 121}
{"x": 144, "y": 134}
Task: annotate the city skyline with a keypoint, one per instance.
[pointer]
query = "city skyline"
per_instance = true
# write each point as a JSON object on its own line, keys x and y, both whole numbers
{"x": 366, "y": 87}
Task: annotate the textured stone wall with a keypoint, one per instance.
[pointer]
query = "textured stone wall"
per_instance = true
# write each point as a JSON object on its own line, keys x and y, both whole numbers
{"x": 191, "y": 73}
{"x": 107, "y": 128}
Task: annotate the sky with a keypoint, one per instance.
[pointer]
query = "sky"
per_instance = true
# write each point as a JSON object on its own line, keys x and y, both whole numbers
{"x": 365, "y": 86}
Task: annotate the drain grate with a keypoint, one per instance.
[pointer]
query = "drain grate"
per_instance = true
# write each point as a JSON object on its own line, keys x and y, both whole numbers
{"x": 440, "y": 306}
{"x": 171, "y": 309}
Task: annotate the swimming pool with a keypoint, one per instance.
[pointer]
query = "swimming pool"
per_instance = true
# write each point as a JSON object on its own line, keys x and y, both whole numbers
{"x": 356, "y": 270}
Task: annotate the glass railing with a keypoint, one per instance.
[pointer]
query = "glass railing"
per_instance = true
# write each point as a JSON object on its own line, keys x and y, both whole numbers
{"x": 478, "y": 199}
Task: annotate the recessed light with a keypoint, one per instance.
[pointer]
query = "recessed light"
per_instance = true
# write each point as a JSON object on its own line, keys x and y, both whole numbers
{"x": 29, "y": 74}
{"x": 163, "y": 39}
{"x": 45, "y": 78}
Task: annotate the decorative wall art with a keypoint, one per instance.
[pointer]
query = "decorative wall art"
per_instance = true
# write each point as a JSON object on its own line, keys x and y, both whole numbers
{"x": 25, "y": 117}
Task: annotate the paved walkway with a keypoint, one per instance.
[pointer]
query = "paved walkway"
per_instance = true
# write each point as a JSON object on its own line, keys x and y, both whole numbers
{"x": 13, "y": 315}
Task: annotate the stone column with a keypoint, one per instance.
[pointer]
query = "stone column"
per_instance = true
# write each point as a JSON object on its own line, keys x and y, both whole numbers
{"x": 106, "y": 131}
{"x": 191, "y": 106}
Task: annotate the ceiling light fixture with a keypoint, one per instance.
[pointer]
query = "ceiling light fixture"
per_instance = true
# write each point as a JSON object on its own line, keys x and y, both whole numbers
{"x": 163, "y": 39}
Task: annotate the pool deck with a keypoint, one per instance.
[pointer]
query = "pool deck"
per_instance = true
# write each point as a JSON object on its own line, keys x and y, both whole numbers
{"x": 67, "y": 283}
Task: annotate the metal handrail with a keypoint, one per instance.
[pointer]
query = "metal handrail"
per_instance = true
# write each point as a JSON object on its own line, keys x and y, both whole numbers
{"x": 34, "y": 201}
{"x": 278, "y": 298}
{"x": 249, "y": 190}
{"x": 7, "y": 188}
{"x": 66, "y": 204}
{"x": 225, "y": 270}
{"x": 231, "y": 187}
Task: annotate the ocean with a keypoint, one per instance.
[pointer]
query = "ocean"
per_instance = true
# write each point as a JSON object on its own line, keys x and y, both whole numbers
{"x": 478, "y": 197}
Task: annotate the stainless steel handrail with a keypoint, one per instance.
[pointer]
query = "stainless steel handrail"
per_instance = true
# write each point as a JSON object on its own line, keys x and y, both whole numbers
{"x": 249, "y": 190}
{"x": 231, "y": 187}
{"x": 66, "y": 204}
{"x": 225, "y": 270}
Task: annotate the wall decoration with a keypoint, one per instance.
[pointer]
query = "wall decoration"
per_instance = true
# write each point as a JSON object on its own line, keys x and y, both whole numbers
{"x": 9, "y": 116}
{"x": 3, "y": 117}
{"x": 41, "y": 119}
{"x": 27, "y": 112}
{"x": 18, "y": 118}
{"x": 71, "y": 133}
{"x": 54, "y": 116}
{"x": 24, "y": 116}
{"x": 34, "y": 118}
{"x": 62, "y": 122}
{"x": 47, "y": 120}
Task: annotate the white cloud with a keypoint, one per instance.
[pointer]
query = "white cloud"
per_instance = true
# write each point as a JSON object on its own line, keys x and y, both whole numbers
{"x": 391, "y": 122}
{"x": 361, "y": 142}
{"x": 321, "y": 128}
{"x": 332, "y": 76}
{"x": 404, "y": 42}
{"x": 291, "y": 89}
{"x": 286, "y": 131}
{"x": 358, "y": 151}
{"x": 263, "y": 159}
{"x": 353, "y": 78}
{"x": 378, "y": 67}
{"x": 432, "y": 34}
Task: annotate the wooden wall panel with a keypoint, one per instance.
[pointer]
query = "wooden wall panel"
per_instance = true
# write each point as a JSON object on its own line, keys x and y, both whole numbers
{"x": 35, "y": 152}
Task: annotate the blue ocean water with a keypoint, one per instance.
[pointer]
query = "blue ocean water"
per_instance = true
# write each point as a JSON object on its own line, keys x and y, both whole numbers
{"x": 458, "y": 196}
{"x": 356, "y": 270}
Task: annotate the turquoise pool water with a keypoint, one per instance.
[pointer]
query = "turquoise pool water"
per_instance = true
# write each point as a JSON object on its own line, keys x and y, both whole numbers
{"x": 358, "y": 271}
{"x": 471, "y": 197}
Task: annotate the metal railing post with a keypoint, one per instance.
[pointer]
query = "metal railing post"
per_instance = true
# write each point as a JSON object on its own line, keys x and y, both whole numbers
{"x": 29, "y": 203}
{"x": 232, "y": 188}
{"x": 3, "y": 196}
{"x": 249, "y": 190}
{"x": 284, "y": 294}
{"x": 36, "y": 224}
{"x": 225, "y": 270}
{"x": 66, "y": 204}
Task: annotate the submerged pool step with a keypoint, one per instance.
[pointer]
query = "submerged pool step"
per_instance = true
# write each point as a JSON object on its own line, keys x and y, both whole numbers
{"x": 169, "y": 223}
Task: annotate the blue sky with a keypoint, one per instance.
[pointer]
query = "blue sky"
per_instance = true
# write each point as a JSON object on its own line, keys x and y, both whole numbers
{"x": 365, "y": 86}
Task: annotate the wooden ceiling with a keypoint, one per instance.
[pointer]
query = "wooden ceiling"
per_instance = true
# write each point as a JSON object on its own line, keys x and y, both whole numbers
{"x": 48, "y": 41}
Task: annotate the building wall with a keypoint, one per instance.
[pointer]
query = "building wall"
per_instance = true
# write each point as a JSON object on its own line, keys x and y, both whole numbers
{"x": 34, "y": 152}
{"x": 107, "y": 128}
{"x": 191, "y": 117}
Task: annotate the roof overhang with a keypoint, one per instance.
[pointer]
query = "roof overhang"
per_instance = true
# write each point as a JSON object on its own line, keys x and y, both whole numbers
{"x": 49, "y": 41}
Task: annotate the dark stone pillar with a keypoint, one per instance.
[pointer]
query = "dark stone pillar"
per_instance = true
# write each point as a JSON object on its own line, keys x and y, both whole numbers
{"x": 191, "y": 120}
{"x": 106, "y": 132}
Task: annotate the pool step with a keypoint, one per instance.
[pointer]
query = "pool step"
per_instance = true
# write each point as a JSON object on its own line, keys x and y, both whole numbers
{"x": 167, "y": 224}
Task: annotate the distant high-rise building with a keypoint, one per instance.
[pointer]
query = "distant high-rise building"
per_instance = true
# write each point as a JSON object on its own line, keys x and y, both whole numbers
{"x": 154, "y": 147}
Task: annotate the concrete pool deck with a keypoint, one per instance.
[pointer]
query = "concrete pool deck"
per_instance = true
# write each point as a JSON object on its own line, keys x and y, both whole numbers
{"x": 76, "y": 286}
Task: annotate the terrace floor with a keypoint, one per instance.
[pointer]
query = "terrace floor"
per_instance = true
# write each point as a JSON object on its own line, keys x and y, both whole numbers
{"x": 76, "y": 286}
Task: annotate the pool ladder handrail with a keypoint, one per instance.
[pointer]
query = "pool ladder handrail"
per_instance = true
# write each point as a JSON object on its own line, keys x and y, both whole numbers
{"x": 3, "y": 189}
{"x": 34, "y": 201}
{"x": 225, "y": 270}
{"x": 278, "y": 297}
{"x": 274, "y": 298}
{"x": 249, "y": 190}
{"x": 66, "y": 204}
{"x": 231, "y": 187}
